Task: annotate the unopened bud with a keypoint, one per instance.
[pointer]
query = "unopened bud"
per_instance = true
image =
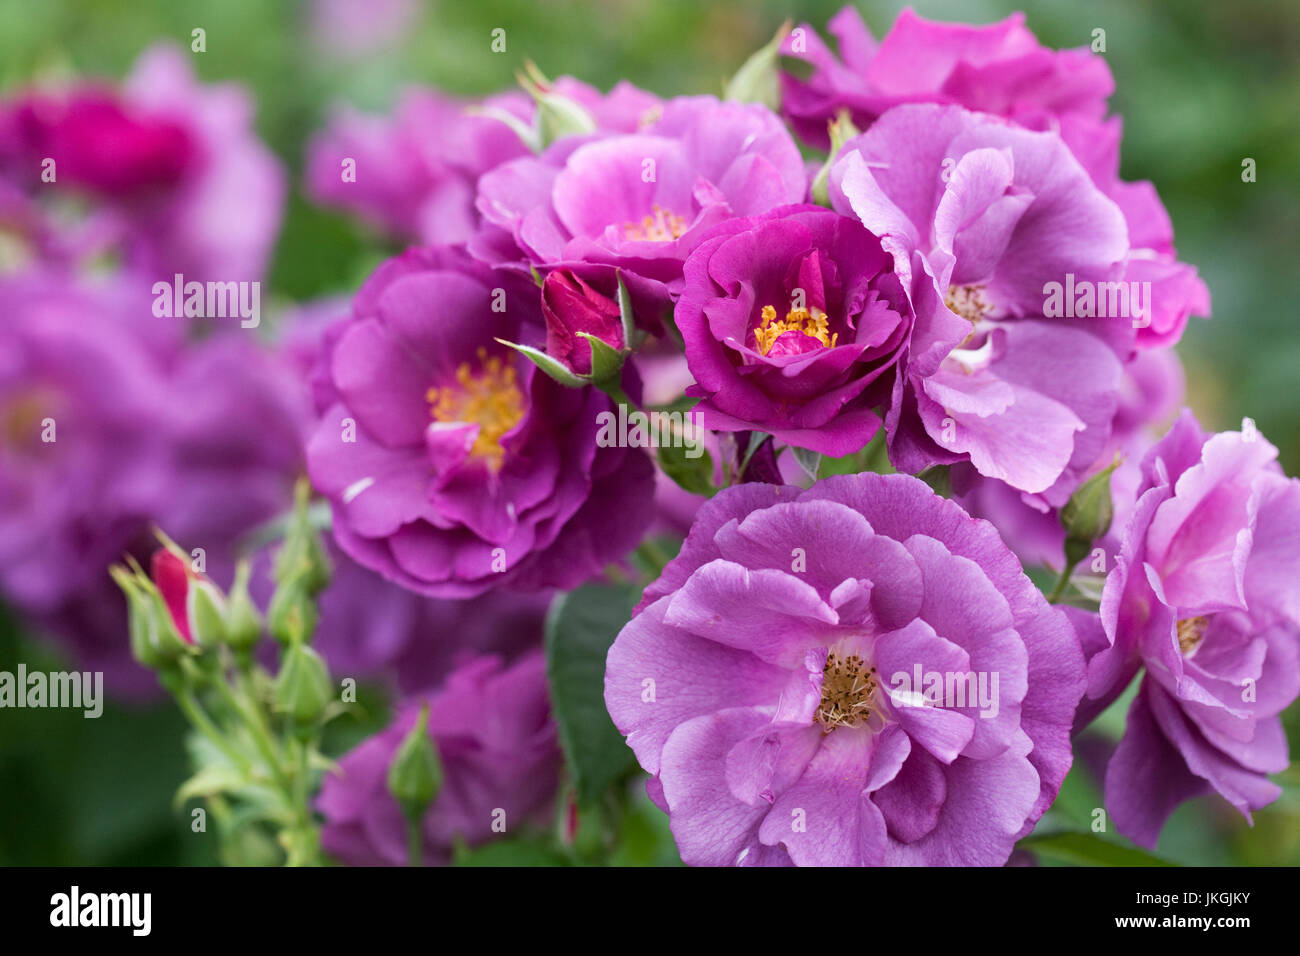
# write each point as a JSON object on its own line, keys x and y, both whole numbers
{"x": 243, "y": 623}
{"x": 1087, "y": 515}
{"x": 206, "y": 610}
{"x": 292, "y": 615}
{"x": 415, "y": 774}
{"x": 302, "y": 688}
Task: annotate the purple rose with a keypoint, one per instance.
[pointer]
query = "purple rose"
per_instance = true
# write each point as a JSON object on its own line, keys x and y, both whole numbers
{"x": 492, "y": 729}
{"x": 180, "y": 182}
{"x": 640, "y": 201}
{"x": 412, "y": 174}
{"x": 987, "y": 217}
{"x": 791, "y": 653}
{"x": 793, "y": 322}
{"x": 83, "y": 461}
{"x": 452, "y": 464}
{"x": 108, "y": 424}
{"x": 1203, "y": 597}
{"x": 97, "y": 144}
{"x": 999, "y": 69}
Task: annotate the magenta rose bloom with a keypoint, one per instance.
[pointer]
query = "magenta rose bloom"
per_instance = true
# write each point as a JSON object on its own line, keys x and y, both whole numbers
{"x": 109, "y": 425}
{"x": 177, "y": 178}
{"x": 987, "y": 216}
{"x": 793, "y": 322}
{"x": 999, "y": 69}
{"x": 492, "y": 729}
{"x": 769, "y": 682}
{"x": 83, "y": 463}
{"x": 640, "y": 201}
{"x": 452, "y": 464}
{"x": 1203, "y": 597}
{"x": 413, "y": 172}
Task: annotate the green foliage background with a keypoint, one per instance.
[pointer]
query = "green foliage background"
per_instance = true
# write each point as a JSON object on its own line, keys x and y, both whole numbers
{"x": 1200, "y": 86}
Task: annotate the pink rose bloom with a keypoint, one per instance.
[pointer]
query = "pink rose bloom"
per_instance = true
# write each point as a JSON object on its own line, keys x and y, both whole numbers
{"x": 767, "y": 682}
{"x": 177, "y": 179}
{"x": 1203, "y": 598}
{"x": 984, "y": 217}
{"x": 1000, "y": 69}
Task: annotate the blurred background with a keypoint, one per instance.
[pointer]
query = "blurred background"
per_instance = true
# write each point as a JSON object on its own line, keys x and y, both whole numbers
{"x": 1201, "y": 87}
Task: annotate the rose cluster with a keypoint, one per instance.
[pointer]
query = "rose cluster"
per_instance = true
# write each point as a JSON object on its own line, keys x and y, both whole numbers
{"x": 870, "y": 390}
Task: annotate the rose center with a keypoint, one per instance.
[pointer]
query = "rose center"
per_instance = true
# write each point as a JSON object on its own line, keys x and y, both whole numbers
{"x": 490, "y": 399}
{"x": 1191, "y": 631}
{"x": 968, "y": 301}
{"x": 660, "y": 226}
{"x": 22, "y": 420}
{"x": 811, "y": 322}
{"x": 848, "y": 687}
{"x": 15, "y": 250}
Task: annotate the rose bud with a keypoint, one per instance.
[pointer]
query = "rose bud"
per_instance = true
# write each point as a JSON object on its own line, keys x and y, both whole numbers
{"x": 196, "y": 606}
{"x": 571, "y": 306}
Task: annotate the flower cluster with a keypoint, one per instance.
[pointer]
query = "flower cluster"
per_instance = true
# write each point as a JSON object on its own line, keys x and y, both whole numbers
{"x": 899, "y": 406}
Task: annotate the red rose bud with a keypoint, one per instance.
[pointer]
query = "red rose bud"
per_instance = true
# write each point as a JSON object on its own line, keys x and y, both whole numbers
{"x": 195, "y": 605}
{"x": 570, "y": 307}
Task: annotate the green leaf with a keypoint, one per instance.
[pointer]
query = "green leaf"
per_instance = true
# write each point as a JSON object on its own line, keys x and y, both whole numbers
{"x": 580, "y": 628}
{"x": 218, "y": 778}
{"x": 683, "y": 403}
{"x": 757, "y": 80}
{"x": 809, "y": 461}
{"x": 1088, "y": 849}
{"x": 693, "y": 474}
{"x": 606, "y": 361}
{"x": 512, "y": 852}
{"x": 631, "y": 337}
{"x": 874, "y": 457}
{"x": 654, "y": 553}
{"x": 551, "y": 366}
{"x": 939, "y": 478}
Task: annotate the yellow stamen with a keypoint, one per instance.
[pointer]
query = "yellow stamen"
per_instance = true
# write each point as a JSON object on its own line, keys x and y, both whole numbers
{"x": 847, "y": 686}
{"x": 21, "y": 422}
{"x": 968, "y": 301}
{"x": 662, "y": 226}
{"x": 490, "y": 399}
{"x": 1190, "y": 634}
{"x": 812, "y": 323}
